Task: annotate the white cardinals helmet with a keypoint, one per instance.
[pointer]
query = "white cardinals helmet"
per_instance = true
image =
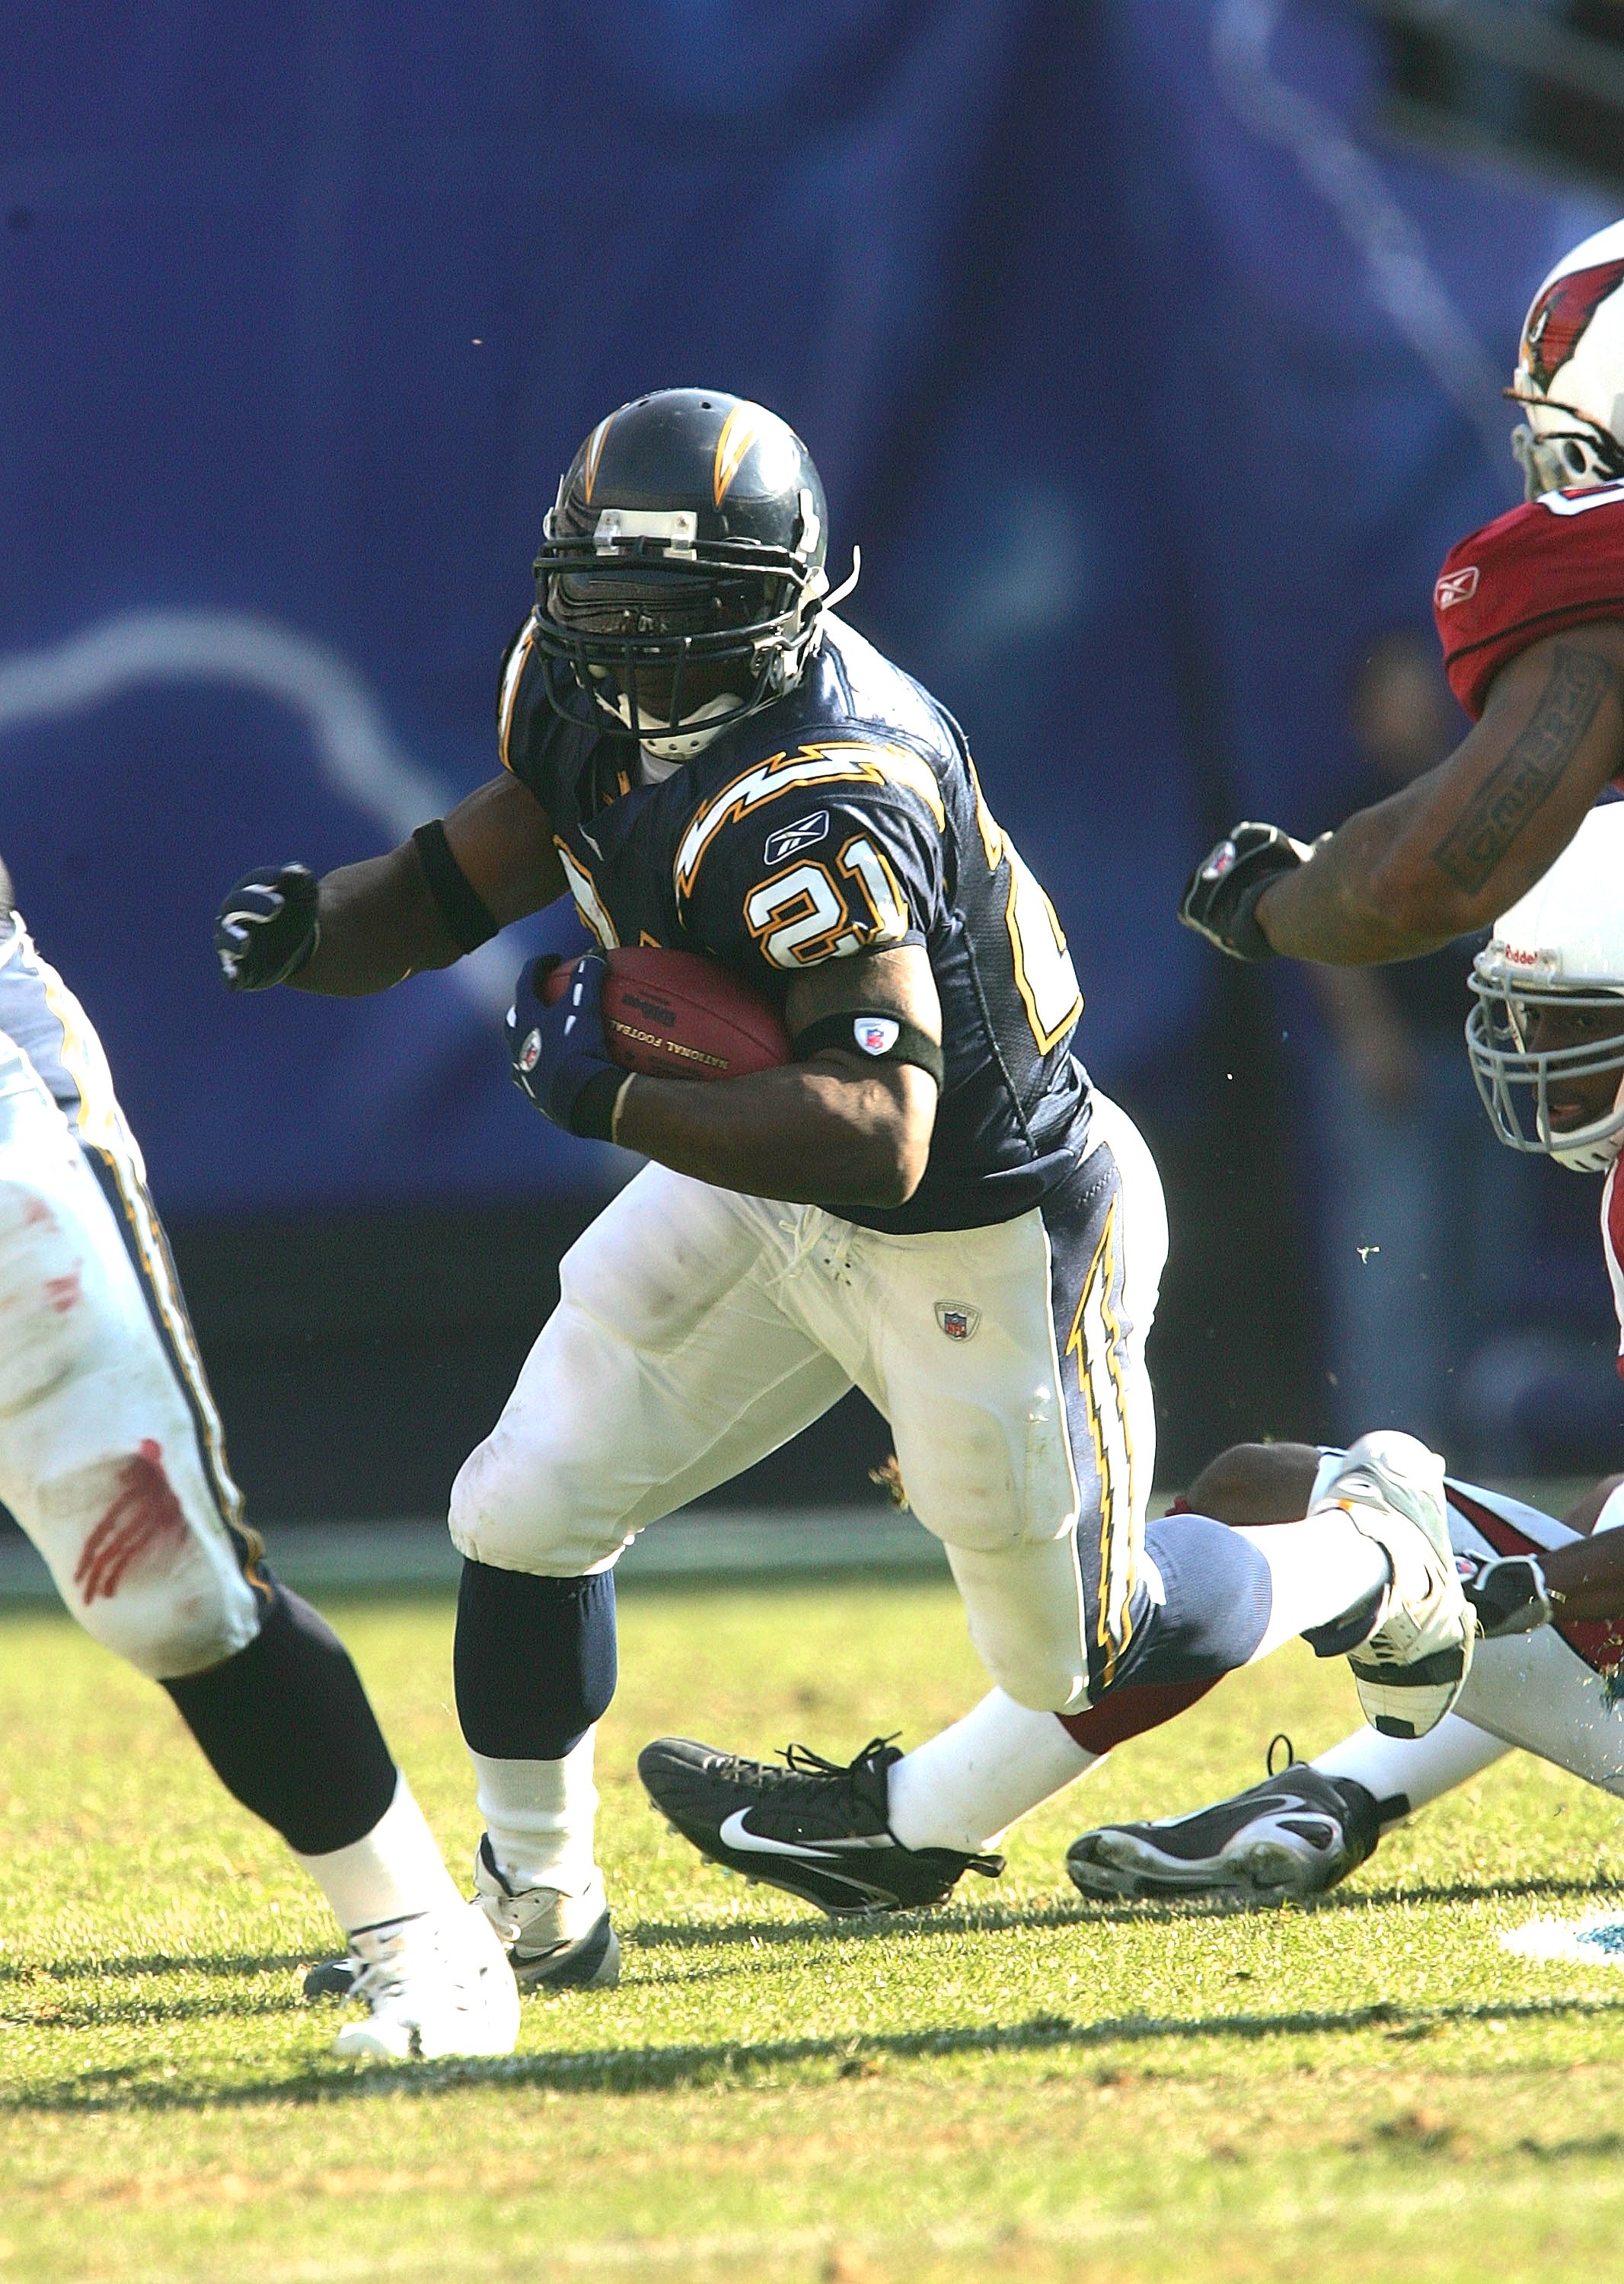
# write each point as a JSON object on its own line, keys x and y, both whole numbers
{"x": 1570, "y": 370}
{"x": 1560, "y": 946}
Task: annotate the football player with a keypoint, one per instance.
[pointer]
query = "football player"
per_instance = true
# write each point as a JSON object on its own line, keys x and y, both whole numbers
{"x": 113, "y": 1460}
{"x": 1546, "y": 1039}
{"x": 929, "y": 1201}
{"x": 1529, "y": 611}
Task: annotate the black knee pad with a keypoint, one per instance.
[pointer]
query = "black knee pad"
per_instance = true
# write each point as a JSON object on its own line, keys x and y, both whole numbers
{"x": 535, "y": 1661}
{"x": 286, "y": 1726}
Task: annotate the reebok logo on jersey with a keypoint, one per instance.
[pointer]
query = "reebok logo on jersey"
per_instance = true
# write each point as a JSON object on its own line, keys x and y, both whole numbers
{"x": 876, "y": 1035}
{"x": 958, "y": 1320}
{"x": 790, "y": 839}
{"x": 1457, "y": 587}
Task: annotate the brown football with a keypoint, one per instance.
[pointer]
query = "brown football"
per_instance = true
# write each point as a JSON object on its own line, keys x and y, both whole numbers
{"x": 673, "y": 1014}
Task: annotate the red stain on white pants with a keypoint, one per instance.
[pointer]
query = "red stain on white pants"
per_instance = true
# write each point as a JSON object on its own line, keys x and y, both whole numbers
{"x": 144, "y": 1516}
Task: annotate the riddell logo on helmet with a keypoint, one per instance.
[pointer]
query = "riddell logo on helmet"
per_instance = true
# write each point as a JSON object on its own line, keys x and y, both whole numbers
{"x": 1457, "y": 587}
{"x": 1558, "y": 320}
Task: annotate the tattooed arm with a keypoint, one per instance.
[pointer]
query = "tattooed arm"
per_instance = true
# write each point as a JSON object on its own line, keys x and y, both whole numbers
{"x": 1452, "y": 851}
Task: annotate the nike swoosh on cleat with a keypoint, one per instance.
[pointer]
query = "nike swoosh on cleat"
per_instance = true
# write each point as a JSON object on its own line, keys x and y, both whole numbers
{"x": 735, "y": 1833}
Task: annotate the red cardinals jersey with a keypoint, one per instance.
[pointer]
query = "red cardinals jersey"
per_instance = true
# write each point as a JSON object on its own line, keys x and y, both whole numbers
{"x": 1613, "y": 1247}
{"x": 1555, "y": 563}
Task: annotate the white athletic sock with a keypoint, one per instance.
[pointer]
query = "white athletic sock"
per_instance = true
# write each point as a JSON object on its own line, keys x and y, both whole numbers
{"x": 1421, "y": 1768}
{"x": 1319, "y": 1570}
{"x": 396, "y": 1873}
{"x": 966, "y": 1785}
{"x": 539, "y": 1815}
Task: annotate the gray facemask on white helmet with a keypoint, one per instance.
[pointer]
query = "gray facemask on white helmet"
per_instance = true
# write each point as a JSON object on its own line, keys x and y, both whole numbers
{"x": 1570, "y": 371}
{"x": 1556, "y": 964}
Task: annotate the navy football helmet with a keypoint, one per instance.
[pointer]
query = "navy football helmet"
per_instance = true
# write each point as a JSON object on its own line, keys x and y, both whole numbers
{"x": 681, "y": 579}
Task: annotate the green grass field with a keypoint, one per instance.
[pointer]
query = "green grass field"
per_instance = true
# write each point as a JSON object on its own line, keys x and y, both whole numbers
{"x": 1022, "y": 2087}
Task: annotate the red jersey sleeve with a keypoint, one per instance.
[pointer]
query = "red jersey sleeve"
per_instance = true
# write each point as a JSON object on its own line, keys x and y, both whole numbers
{"x": 1555, "y": 563}
{"x": 1613, "y": 1248}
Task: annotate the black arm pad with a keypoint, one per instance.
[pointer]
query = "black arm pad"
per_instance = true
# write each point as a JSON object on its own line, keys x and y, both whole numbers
{"x": 879, "y": 1037}
{"x": 469, "y": 919}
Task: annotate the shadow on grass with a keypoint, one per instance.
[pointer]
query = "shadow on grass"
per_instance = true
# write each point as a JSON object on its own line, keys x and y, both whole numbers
{"x": 677, "y": 2069}
{"x": 988, "y": 1918}
{"x": 158, "y": 1962}
{"x": 29, "y": 1997}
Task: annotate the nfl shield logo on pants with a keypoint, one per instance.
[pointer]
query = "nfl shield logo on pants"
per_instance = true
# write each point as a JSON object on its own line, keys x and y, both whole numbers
{"x": 957, "y": 1319}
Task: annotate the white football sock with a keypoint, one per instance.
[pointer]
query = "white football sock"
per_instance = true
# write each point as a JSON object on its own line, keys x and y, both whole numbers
{"x": 396, "y": 1872}
{"x": 539, "y": 1815}
{"x": 1421, "y": 1768}
{"x": 1319, "y": 1570}
{"x": 966, "y": 1785}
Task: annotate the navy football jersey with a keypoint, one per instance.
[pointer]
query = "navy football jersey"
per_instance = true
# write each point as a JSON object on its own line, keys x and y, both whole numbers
{"x": 845, "y": 819}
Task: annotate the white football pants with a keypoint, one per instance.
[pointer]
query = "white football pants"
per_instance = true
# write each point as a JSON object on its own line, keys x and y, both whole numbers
{"x": 110, "y": 1455}
{"x": 699, "y": 1330}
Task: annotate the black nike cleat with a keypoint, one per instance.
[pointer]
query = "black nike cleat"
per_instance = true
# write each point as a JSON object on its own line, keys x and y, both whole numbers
{"x": 1285, "y": 1839}
{"x": 813, "y": 1827}
{"x": 332, "y": 1978}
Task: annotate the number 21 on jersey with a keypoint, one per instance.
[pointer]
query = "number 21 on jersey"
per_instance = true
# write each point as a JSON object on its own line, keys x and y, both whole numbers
{"x": 805, "y": 916}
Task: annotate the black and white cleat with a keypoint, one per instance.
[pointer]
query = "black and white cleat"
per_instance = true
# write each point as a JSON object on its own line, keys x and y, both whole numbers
{"x": 333, "y": 1978}
{"x": 1286, "y": 1840}
{"x": 554, "y": 1941}
{"x": 816, "y": 1828}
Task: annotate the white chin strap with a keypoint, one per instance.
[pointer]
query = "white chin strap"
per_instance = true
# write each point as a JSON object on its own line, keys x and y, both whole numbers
{"x": 1596, "y": 1157}
{"x": 699, "y": 729}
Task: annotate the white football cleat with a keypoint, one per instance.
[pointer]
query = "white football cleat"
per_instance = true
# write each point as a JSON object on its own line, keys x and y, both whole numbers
{"x": 1413, "y": 1665}
{"x": 437, "y": 1985}
{"x": 552, "y": 1941}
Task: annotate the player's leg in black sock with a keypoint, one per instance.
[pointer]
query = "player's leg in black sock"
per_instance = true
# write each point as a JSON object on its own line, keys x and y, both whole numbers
{"x": 287, "y": 1727}
{"x": 535, "y": 1670}
{"x": 535, "y": 1661}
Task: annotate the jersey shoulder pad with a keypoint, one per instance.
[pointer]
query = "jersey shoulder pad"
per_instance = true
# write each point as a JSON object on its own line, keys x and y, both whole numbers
{"x": 1556, "y": 562}
{"x": 763, "y": 802}
{"x": 780, "y": 885}
{"x": 509, "y": 678}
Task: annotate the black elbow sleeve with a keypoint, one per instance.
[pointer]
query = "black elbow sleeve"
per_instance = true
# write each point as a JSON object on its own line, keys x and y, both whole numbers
{"x": 469, "y": 921}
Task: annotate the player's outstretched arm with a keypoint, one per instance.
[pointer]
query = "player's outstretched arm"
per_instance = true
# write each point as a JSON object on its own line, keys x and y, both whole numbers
{"x": 366, "y": 926}
{"x": 1455, "y": 850}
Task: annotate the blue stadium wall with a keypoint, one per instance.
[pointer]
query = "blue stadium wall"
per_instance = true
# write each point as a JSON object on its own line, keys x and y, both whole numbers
{"x": 1151, "y": 381}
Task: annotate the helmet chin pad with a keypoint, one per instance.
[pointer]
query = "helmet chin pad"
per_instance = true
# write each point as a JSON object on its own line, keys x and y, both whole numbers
{"x": 1596, "y": 1160}
{"x": 692, "y": 733}
{"x": 1563, "y": 460}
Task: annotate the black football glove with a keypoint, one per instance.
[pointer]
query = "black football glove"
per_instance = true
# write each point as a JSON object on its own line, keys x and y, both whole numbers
{"x": 1510, "y": 1596}
{"x": 267, "y": 927}
{"x": 1221, "y": 895}
{"x": 557, "y": 1052}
